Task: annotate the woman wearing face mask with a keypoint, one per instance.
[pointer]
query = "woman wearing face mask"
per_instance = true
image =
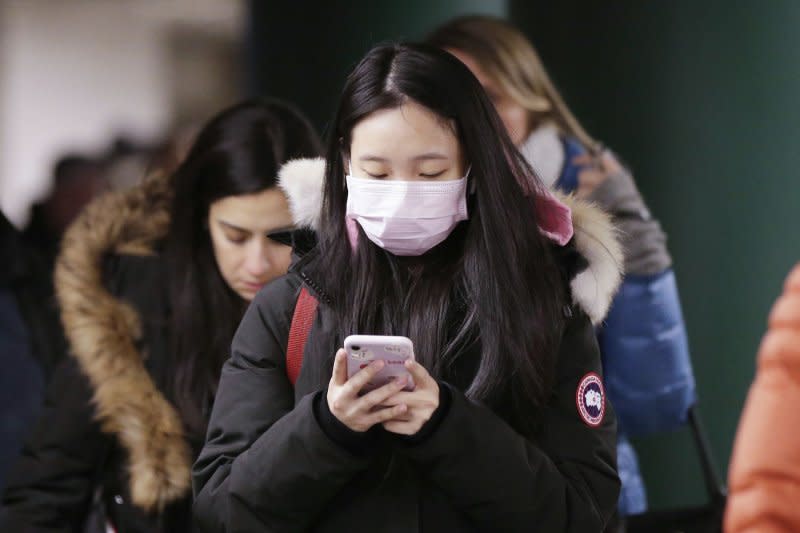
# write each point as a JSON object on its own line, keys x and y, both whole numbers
{"x": 507, "y": 427}
{"x": 152, "y": 284}
{"x": 643, "y": 340}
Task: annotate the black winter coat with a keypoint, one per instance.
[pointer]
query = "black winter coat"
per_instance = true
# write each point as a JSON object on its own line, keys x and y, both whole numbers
{"x": 68, "y": 459}
{"x": 31, "y": 341}
{"x": 24, "y": 270}
{"x": 274, "y": 461}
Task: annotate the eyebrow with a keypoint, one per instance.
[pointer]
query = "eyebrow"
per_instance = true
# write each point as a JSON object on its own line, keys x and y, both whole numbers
{"x": 244, "y": 230}
{"x": 421, "y": 157}
{"x": 231, "y": 226}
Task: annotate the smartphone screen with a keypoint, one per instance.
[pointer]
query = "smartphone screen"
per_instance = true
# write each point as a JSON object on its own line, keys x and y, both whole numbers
{"x": 394, "y": 351}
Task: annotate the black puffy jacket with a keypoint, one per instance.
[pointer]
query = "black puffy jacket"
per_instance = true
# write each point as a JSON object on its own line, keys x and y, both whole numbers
{"x": 274, "y": 462}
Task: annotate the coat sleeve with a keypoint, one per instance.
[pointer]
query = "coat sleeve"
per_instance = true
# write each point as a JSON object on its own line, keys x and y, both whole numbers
{"x": 266, "y": 465}
{"x": 764, "y": 476}
{"x": 565, "y": 481}
{"x": 51, "y": 486}
{"x": 646, "y": 359}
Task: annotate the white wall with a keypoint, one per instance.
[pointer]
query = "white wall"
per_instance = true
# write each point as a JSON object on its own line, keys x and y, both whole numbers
{"x": 75, "y": 73}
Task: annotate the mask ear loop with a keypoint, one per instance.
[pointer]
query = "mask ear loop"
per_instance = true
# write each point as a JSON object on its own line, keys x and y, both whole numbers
{"x": 349, "y": 162}
{"x": 472, "y": 186}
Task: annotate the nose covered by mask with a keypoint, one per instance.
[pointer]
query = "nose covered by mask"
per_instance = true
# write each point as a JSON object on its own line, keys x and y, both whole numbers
{"x": 406, "y": 218}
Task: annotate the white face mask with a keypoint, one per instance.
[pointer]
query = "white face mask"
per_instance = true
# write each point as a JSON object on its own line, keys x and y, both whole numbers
{"x": 406, "y": 218}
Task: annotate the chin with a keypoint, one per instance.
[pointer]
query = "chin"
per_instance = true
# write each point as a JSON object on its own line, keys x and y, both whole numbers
{"x": 247, "y": 294}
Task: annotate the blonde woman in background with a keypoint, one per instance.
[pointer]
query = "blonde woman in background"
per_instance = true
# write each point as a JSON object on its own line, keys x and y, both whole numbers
{"x": 643, "y": 341}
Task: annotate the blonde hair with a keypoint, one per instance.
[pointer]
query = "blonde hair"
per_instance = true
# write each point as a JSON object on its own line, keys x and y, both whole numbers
{"x": 507, "y": 56}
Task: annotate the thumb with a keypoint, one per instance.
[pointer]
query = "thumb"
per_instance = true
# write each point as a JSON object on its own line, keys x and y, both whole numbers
{"x": 339, "y": 376}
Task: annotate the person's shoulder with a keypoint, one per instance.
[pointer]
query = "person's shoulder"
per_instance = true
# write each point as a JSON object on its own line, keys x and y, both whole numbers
{"x": 279, "y": 297}
{"x": 268, "y": 319}
{"x": 579, "y": 331}
{"x": 280, "y": 288}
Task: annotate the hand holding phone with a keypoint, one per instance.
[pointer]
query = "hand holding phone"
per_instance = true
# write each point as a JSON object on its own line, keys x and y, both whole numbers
{"x": 361, "y": 412}
{"x": 418, "y": 406}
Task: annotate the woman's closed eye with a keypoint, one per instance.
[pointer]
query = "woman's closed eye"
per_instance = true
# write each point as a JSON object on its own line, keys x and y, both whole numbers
{"x": 432, "y": 174}
{"x": 237, "y": 237}
{"x": 377, "y": 176}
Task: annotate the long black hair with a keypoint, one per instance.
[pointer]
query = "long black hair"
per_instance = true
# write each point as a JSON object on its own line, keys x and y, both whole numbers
{"x": 238, "y": 152}
{"x": 493, "y": 281}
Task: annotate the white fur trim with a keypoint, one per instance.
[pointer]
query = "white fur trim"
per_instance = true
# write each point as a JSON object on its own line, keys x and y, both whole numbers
{"x": 302, "y": 181}
{"x": 596, "y": 240}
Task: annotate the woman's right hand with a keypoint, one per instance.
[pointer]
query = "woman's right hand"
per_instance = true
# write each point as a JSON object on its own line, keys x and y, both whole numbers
{"x": 360, "y": 413}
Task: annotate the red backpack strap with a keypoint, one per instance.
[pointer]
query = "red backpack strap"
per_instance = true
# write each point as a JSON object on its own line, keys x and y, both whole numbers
{"x": 303, "y": 319}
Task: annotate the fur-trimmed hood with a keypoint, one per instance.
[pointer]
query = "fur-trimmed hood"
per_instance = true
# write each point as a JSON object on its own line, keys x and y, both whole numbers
{"x": 103, "y": 331}
{"x": 596, "y": 240}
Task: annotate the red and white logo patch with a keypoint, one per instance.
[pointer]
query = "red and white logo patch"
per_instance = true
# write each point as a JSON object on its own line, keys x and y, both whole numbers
{"x": 591, "y": 399}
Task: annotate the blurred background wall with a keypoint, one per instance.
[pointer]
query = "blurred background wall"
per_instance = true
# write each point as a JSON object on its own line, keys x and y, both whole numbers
{"x": 73, "y": 75}
{"x": 303, "y": 51}
{"x": 698, "y": 97}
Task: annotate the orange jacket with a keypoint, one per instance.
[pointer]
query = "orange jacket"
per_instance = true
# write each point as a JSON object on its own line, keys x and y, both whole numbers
{"x": 764, "y": 475}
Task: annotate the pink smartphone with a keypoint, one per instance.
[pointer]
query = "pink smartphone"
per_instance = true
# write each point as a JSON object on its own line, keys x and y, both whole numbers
{"x": 363, "y": 349}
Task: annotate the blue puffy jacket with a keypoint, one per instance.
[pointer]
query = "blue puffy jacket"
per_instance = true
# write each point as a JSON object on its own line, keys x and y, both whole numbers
{"x": 646, "y": 364}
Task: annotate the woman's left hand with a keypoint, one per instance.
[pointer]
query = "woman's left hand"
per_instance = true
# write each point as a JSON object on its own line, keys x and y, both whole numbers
{"x": 421, "y": 403}
{"x": 595, "y": 170}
